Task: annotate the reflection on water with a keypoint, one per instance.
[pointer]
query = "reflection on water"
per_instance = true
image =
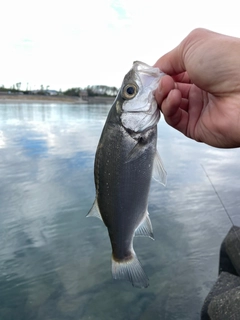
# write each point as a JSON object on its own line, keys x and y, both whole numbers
{"x": 55, "y": 263}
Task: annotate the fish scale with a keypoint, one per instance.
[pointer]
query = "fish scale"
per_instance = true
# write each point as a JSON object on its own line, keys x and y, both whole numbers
{"x": 125, "y": 159}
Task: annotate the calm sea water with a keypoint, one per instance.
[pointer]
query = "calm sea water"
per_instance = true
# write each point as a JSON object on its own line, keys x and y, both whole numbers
{"x": 56, "y": 264}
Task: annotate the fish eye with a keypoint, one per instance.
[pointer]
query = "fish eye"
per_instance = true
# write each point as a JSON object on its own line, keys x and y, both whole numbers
{"x": 130, "y": 91}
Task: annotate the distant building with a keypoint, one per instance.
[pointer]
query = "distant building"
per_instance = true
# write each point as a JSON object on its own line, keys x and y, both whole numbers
{"x": 44, "y": 92}
{"x": 51, "y": 92}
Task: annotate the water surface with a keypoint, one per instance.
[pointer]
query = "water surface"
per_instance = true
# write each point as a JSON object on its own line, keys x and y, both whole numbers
{"x": 56, "y": 264}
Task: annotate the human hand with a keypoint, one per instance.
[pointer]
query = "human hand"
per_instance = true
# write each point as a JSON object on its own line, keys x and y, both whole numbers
{"x": 200, "y": 95}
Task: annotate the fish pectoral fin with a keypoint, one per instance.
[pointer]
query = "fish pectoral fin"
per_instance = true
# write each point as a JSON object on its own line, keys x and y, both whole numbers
{"x": 130, "y": 270}
{"x": 145, "y": 228}
{"x": 159, "y": 173}
{"x": 94, "y": 211}
{"x": 136, "y": 152}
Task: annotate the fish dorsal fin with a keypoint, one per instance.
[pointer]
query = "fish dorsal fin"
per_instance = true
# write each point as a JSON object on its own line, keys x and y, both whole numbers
{"x": 145, "y": 228}
{"x": 94, "y": 211}
{"x": 159, "y": 173}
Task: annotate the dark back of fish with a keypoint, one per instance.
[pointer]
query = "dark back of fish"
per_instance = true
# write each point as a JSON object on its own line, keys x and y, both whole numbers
{"x": 123, "y": 181}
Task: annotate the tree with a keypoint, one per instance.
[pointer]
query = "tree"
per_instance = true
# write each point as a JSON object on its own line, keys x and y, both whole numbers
{"x": 102, "y": 90}
{"x": 18, "y": 85}
{"x": 75, "y": 92}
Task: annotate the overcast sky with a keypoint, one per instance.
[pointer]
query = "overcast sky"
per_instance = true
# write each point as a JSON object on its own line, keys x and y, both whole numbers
{"x": 75, "y": 43}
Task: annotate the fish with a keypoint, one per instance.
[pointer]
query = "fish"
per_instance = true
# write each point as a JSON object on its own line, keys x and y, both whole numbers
{"x": 125, "y": 161}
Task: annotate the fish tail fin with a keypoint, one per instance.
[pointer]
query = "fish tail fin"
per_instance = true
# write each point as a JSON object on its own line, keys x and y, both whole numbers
{"x": 130, "y": 270}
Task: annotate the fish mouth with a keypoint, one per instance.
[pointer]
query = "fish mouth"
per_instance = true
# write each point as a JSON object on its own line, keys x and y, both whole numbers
{"x": 141, "y": 112}
{"x": 146, "y": 79}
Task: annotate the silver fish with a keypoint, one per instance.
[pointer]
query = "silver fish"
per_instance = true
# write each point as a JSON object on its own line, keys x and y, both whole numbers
{"x": 125, "y": 159}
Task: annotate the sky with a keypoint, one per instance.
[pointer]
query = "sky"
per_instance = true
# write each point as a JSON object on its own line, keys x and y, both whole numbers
{"x": 75, "y": 43}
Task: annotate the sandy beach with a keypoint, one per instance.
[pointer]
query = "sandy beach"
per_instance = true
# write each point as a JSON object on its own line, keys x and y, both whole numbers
{"x": 17, "y": 98}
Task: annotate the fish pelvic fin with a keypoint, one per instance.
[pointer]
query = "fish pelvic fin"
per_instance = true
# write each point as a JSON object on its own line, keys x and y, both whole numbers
{"x": 130, "y": 270}
{"x": 145, "y": 228}
{"x": 94, "y": 211}
{"x": 159, "y": 173}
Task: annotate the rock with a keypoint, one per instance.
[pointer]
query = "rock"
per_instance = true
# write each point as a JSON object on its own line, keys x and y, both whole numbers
{"x": 224, "y": 285}
{"x": 229, "y": 253}
{"x": 225, "y": 263}
{"x": 225, "y": 306}
{"x": 223, "y": 301}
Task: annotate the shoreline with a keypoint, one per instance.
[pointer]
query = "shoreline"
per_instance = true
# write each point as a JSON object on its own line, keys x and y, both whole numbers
{"x": 17, "y": 98}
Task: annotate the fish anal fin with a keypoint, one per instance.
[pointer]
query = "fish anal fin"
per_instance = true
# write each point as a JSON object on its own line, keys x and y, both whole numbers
{"x": 130, "y": 270}
{"x": 94, "y": 211}
{"x": 159, "y": 173}
{"x": 145, "y": 228}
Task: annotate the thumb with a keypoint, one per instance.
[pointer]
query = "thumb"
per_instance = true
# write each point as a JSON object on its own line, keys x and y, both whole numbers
{"x": 172, "y": 62}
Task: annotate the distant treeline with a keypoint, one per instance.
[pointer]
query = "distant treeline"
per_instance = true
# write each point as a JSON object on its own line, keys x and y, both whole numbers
{"x": 92, "y": 91}
{"x": 89, "y": 91}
